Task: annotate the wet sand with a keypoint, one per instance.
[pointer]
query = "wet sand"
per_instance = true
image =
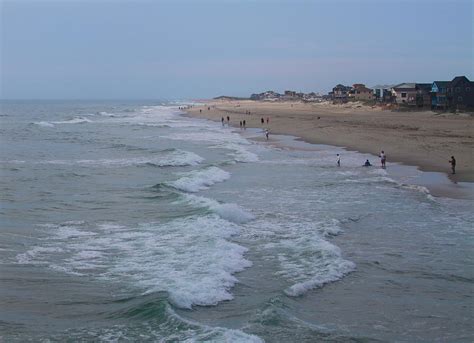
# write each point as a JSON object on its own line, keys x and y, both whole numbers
{"x": 423, "y": 139}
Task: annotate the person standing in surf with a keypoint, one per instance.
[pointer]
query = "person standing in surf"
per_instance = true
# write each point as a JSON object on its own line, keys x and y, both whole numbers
{"x": 338, "y": 160}
{"x": 383, "y": 158}
{"x": 453, "y": 164}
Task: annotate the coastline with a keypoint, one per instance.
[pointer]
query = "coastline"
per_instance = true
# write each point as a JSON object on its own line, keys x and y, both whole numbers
{"x": 337, "y": 127}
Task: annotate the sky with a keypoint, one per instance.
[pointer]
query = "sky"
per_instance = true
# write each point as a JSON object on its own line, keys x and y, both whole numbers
{"x": 200, "y": 49}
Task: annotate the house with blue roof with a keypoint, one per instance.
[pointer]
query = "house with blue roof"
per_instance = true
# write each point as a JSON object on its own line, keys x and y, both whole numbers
{"x": 439, "y": 94}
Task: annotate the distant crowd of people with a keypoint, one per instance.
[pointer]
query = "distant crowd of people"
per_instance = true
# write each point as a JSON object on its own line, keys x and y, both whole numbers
{"x": 243, "y": 123}
{"x": 266, "y": 131}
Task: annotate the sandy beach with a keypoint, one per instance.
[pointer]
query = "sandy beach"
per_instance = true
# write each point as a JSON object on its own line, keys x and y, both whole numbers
{"x": 424, "y": 139}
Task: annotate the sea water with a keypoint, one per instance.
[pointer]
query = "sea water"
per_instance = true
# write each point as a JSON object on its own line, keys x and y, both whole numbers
{"x": 127, "y": 221}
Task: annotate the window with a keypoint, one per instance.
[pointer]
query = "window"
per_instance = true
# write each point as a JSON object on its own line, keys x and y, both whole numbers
{"x": 404, "y": 95}
{"x": 458, "y": 89}
{"x": 459, "y": 98}
{"x": 468, "y": 89}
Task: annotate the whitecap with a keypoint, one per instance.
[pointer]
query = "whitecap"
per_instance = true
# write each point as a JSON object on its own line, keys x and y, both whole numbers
{"x": 44, "y": 124}
{"x": 230, "y": 212}
{"x": 190, "y": 258}
{"x": 78, "y": 120}
{"x": 36, "y": 255}
{"x": 198, "y": 180}
{"x": 174, "y": 158}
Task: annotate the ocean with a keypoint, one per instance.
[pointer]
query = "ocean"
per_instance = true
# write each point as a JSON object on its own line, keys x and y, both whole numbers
{"x": 128, "y": 221}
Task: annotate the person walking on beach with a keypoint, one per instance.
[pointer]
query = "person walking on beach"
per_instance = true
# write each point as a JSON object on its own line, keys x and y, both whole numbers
{"x": 222, "y": 120}
{"x": 266, "y": 133}
{"x": 268, "y": 120}
{"x": 228, "y": 120}
{"x": 244, "y": 124}
{"x": 453, "y": 164}
{"x": 241, "y": 124}
{"x": 338, "y": 160}
{"x": 383, "y": 159}
{"x": 262, "y": 121}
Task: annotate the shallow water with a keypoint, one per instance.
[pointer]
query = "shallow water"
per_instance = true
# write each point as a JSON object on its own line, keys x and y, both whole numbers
{"x": 128, "y": 221}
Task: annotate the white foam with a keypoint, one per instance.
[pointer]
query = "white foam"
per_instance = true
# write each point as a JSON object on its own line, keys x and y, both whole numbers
{"x": 198, "y": 180}
{"x": 180, "y": 158}
{"x": 329, "y": 228}
{"x": 78, "y": 120}
{"x": 173, "y": 158}
{"x": 36, "y": 254}
{"x": 44, "y": 124}
{"x": 230, "y": 212}
{"x": 240, "y": 153}
{"x": 306, "y": 259}
{"x": 88, "y": 255}
{"x": 324, "y": 264}
{"x": 331, "y": 274}
{"x": 190, "y": 258}
{"x": 172, "y": 327}
{"x": 209, "y": 135}
{"x": 148, "y": 115}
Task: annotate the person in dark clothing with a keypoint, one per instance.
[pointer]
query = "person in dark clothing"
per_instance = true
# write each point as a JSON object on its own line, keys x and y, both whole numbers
{"x": 367, "y": 164}
{"x": 453, "y": 164}
{"x": 383, "y": 158}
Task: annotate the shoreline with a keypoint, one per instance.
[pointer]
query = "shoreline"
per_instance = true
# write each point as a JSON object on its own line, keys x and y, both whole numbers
{"x": 438, "y": 182}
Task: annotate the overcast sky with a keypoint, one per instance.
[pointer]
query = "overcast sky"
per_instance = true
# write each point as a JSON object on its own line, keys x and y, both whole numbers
{"x": 198, "y": 49}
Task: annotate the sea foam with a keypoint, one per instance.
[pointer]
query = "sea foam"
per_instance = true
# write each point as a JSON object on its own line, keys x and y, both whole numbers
{"x": 230, "y": 212}
{"x": 198, "y": 180}
{"x": 190, "y": 258}
{"x": 172, "y": 158}
{"x": 78, "y": 120}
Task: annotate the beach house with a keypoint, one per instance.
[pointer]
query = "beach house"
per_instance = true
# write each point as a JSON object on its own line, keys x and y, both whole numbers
{"x": 439, "y": 95}
{"x": 405, "y": 93}
{"x": 460, "y": 93}
{"x": 383, "y": 93}
{"x": 340, "y": 93}
{"x": 360, "y": 92}
{"x": 423, "y": 94}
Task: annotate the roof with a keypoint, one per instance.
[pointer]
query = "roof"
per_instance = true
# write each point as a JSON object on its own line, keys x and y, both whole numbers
{"x": 459, "y": 79}
{"x": 339, "y": 86}
{"x": 442, "y": 84}
{"x": 424, "y": 86}
{"x": 405, "y": 85}
{"x": 382, "y": 86}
